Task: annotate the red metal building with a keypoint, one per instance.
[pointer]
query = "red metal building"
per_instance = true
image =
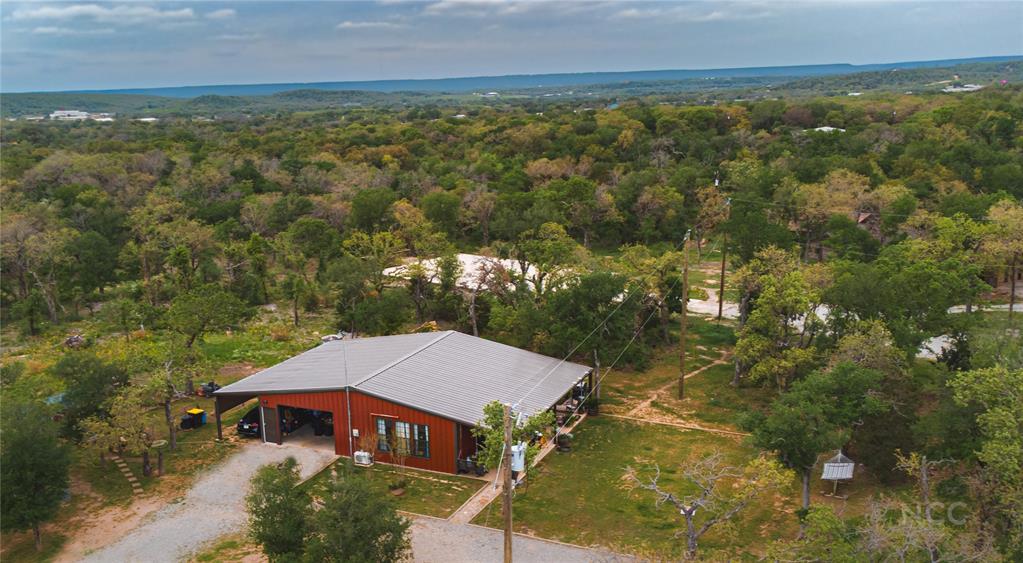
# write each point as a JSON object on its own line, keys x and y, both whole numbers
{"x": 427, "y": 390}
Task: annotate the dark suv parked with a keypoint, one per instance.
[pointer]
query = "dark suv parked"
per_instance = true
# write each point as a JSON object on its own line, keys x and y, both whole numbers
{"x": 249, "y": 424}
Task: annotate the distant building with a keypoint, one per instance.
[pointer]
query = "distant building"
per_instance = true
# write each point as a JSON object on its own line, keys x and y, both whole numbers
{"x": 855, "y": 93}
{"x": 963, "y": 88}
{"x": 148, "y": 119}
{"x": 69, "y": 115}
{"x": 827, "y": 129}
{"x": 34, "y": 117}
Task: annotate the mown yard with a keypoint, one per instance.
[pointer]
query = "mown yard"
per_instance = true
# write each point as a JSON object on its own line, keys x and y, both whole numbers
{"x": 584, "y": 497}
{"x": 425, "y": 492}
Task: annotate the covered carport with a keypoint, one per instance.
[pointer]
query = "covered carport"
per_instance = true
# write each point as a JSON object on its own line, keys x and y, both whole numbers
{"x": 276, "y": 409}
{"x": 224, "y": 403}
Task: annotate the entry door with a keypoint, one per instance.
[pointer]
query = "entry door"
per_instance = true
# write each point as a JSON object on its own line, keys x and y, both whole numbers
{"x": 271, "y": 425}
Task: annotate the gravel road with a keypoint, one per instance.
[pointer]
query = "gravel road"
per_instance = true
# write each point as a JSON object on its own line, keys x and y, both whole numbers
{"x": 213, "y": 507}
{"x": 441, "y": 541}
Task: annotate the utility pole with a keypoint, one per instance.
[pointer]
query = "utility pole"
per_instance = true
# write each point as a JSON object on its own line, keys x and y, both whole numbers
{"x": 682, "y": 325}
{"x": 724, "y": 254}
{"x": 507, "y": 484}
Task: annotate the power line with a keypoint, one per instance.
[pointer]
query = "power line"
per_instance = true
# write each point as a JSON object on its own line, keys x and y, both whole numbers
{"x": 583, "y": 341}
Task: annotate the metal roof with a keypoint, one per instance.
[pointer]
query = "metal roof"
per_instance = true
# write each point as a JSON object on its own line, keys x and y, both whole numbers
{"x": 838, "y": 468}
{"x": 449, "y": 373}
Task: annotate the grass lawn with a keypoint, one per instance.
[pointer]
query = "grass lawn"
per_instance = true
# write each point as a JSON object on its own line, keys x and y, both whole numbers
{"x": 427, "y": 493}
{"x": 582, "y": 497}
{"x": 233, "y": 548}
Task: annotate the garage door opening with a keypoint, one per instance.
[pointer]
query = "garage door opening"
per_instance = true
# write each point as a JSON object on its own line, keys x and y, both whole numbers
{"x": 306, "y": 427}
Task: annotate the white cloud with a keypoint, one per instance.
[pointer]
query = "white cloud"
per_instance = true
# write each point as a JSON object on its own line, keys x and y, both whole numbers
{"x": 117, "y": 14}
{"x": 496, "y": 8}
{"x": 225, "y": 14}
{"x": 65, "y": 31}
{"x": 348, "y": 24}
{"x": 239, "y": 36}
{"x": 695, "y": 13}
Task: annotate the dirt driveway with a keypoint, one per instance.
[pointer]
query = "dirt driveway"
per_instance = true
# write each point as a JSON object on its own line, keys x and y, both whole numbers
{"x": 213, "y": 507}
{"x": 441, "y": 541}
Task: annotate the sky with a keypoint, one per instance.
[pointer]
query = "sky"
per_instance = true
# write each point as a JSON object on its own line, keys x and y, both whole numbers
{"x": 96, "y": 45}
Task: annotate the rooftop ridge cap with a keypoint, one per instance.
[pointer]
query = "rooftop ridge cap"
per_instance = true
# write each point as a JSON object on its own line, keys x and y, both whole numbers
{"x": 344, "y": 361}
{"x": 443, "y": 335}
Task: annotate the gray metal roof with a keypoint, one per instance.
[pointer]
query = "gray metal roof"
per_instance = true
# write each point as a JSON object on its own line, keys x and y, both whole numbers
{"x": 446, "y": 373}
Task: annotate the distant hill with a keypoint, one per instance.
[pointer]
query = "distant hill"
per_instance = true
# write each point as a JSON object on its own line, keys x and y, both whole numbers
{"x": 897, "y": 78}
{"x": 520, "y": 81}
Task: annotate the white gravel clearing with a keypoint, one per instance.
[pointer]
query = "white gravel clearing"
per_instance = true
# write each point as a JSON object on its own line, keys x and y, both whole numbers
{"x": 213, "y": 507}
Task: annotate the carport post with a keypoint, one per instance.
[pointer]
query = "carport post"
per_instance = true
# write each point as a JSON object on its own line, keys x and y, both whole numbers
{"x": 216, "y": 412}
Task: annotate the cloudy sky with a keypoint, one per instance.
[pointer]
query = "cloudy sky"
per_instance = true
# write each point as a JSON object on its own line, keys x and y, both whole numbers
{"x": 59, "y": 46}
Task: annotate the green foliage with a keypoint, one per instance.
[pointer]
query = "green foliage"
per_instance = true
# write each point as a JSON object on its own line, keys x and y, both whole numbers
{"x": 370, "y": 207}
{"x": 33, "y": 467}
{"x": 278, "y": 511}
{"x": 490, "y": 433}
{"x": 356, "y": 524}
{"x": 89, "y": 383}
{"x": 205, "y": 308}
{"x": 816, "y": 416}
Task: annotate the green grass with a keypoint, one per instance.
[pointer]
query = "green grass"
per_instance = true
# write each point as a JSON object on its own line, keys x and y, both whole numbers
{"x": 21, "y": 547}
{"x": 428, "y": 493}
{"x": 582, "y": 497}
{"x": 228, "y": 549}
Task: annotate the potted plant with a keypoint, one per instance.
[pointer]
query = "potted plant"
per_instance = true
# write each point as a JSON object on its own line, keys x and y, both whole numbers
{"x": 592, "y": 406}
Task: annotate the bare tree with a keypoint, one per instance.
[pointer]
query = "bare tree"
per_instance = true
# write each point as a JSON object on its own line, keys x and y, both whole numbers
{"x": 919, "y": 467}
{"x": 722, "y": 492}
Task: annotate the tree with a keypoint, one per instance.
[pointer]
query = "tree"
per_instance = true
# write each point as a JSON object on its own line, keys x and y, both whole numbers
{"x": 490, "y": 433}
{"x": 659, "y": 276}
{"x": 1005, "y": 241}
{"x": 998, "y": 394}
{"x": 34, "y": 468}
{"x": 89, "y": 383}
{"x": 356, "y": 524}
{"x": 370, "y": 208}
{"x": 777, "y": 341}
{"x": 123, "y": 430}
{"x": 815, "y": 416}
{"x": 722, "y": 492}
{"x": 442, "y": 209}
{"x": 544, "y": 255}
{"x": 278, "y": 511}
{"x": 825, "y": 538}
{"x": 600, "y": 301}
{"x": 205, "y": 308}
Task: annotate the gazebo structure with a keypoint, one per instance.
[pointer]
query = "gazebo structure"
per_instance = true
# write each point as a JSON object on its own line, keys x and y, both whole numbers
{"x": 836, "y": 469}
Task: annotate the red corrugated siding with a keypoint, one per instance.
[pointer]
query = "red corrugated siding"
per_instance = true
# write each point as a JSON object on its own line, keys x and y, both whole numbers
{"x": 442, "y": 430}
{"x": 333, "y": 401}
{"x": 364, "y": 407}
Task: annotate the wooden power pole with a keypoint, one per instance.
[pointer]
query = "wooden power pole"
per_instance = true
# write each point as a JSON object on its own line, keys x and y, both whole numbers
{"x": 507, "y": 484}
{"x": 724, "y": 254}
{"x": 682, "y": 322}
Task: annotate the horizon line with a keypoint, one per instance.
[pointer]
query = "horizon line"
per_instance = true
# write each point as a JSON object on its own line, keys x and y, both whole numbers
{"x": 134, "y": 89}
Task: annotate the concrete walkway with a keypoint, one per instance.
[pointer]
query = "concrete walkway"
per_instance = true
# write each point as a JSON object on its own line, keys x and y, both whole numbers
{"x": 213, "y": 507}
{"x": 442, "y": 541}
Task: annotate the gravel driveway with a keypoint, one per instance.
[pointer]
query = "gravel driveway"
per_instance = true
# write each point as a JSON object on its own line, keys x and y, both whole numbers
{"x": 441, "y": 541}
{"x": 213, "y": 507}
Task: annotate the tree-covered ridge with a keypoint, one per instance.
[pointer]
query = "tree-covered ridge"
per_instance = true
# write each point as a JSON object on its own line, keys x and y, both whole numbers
{"x": 587, "y": 90}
